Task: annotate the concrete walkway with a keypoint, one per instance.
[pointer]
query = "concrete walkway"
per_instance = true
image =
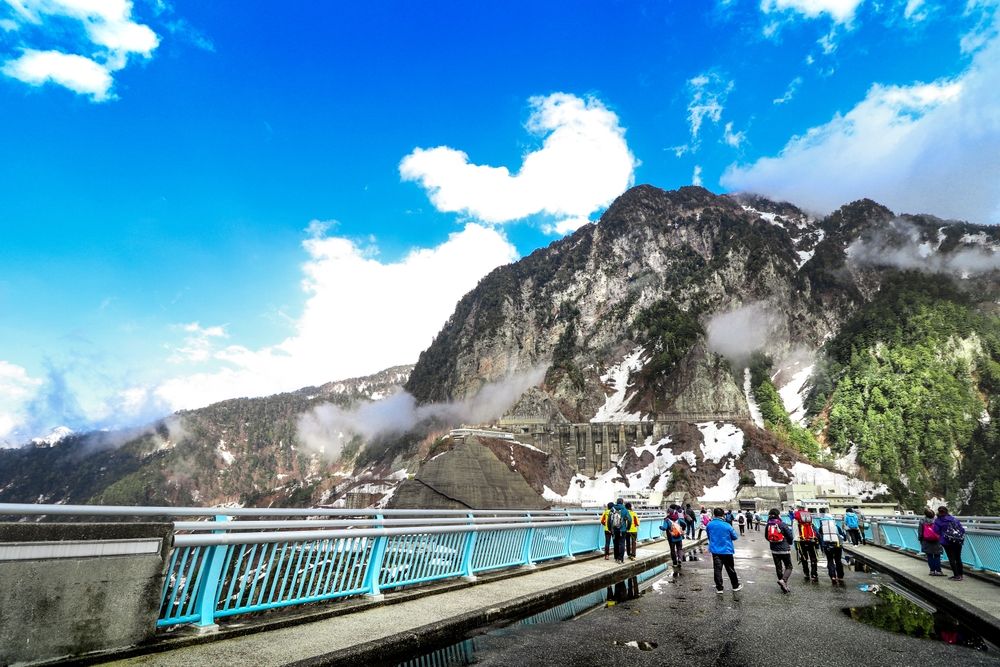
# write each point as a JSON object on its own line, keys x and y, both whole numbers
{"x": 973, "y": 596}
{"x": 375, "y": 634}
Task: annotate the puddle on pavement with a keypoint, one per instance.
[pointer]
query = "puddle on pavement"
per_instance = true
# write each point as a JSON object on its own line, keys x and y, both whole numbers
{"x": 898, "y": 611}
{"x": 464, "y": 652}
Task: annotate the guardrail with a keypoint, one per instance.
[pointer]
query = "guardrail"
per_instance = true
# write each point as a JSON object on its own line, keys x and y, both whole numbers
{"x": 248, "y": 560}
{"x": 981, "y": 550}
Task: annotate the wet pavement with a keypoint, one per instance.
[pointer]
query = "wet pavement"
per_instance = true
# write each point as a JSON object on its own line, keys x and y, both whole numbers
{"x": 680, "y": 620}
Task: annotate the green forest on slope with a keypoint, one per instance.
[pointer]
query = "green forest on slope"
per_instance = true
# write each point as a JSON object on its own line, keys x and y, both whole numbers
{"x": 907, "y": 380}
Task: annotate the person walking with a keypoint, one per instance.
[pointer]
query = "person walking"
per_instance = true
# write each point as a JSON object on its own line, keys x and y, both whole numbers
{"x": 721, "y": 536}
{"x": 741, "y": 521}
{"x": 852, "y": 525}
{"x": 779, "y": 538}
{"x": 805, "y": 534}
{"x": 619, "y": 520}
{"x": 703, "y": 521}
{"x": 689, "y": 520}
{"x": 607, "y": 530}
{"x": 631, "y": 537}
{"x": 729, "y": 517}
{"x": 675, "y": 529}
{"x": 952, "y": 534}
{"x": 831, "y": 539}
{"x": 930, "y": 543}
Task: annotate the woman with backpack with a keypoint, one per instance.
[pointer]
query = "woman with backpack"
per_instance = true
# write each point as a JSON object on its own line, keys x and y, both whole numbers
{"x": 779, "y": 537}
{"x": 952, "y": 534}
{"x": 853, "y": 526}
{"x": 675, "y": 528}
{"x": 705, "y": 518}
{"x": 930, "y": 543}
{"x": 742, "y": 522}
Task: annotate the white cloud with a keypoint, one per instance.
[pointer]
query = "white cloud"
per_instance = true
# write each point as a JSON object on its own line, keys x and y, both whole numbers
{"x": 361, "y": 315}
{"x": 583, "y": 164}
{"x": 106, "y": 24}
{"x": 79, "y": 74}
{"x": 696, "y": 175}
{"x": 932, "y": 148}
{"x": 17, "y": 388}
{"x": 841, "y": 11}
{"x": 915, "y": 11}
{"x": 734, "y": 139}
{"x": 708, "y": 95}
{"x": 198, "y": 345}
{"x": 793, "y": 87}
{"x": 987, "y": 24}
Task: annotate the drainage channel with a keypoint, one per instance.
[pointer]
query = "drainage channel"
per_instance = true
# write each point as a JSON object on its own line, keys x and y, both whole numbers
{"x": 464, "y": 652}
{"x": 900, "y": 610}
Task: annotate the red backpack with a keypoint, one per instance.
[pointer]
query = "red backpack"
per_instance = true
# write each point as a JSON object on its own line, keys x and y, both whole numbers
{"x": 928, "y": 534}
{"x": 806, "y": 531}
{"x": 774, "y": 533}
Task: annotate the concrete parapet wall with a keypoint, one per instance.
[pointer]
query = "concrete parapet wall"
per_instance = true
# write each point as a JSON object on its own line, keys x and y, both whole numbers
{"x": 70, "y": 589}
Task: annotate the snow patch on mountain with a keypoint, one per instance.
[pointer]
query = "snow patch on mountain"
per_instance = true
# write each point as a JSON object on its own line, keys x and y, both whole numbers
{"x": 53, "y": 437}
{"x": 223, "y": 452}
{"x": 793, "y": 394}
{"x": 725, "y": 489}
{"x": 803, "y": 473}
{"x": 755, "y": 415}
{"x": 720, "y": 440}
{"x": 617, "y": 376}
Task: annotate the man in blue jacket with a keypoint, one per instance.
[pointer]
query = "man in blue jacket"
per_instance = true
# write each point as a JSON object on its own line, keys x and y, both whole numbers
{"x": 721, "y": 536}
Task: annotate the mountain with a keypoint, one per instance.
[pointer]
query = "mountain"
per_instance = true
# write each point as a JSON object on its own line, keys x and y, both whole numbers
{"x": 687, "y": 343}
{"x": 241, "y": 451}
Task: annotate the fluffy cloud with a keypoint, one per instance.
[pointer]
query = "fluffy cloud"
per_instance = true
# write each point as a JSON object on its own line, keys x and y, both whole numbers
{"x": 928, "y": 147}
{"x": 841, "y": 11}
{"x": 16, "y": 389}
{"x": 106, "y": 24}
{"x": 361, "y": 315}
{"x": 79, "y": 74}
{"x": 582, "y": 165}
{"x": 708, "y": 93}
{"x": 696, "y": 175}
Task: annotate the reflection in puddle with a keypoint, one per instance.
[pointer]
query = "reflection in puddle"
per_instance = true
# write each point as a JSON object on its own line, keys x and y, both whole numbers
{"x": 463, "y": 652}
{"x": 904, "y": 614}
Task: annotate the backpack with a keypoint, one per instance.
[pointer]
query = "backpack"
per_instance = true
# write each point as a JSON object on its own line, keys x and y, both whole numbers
{"x": 954, "y": 532}
{"x": 774, "y": 533}
{"x": 676, "y": 530}
{"x": 806, "y": 531}
{"x": 805, "y": 516}
{"x": 615, "y": 520}
{"x": 928, "y": 534}
{"x": 830, "y": 534}
{"x": 705, "y": 519}
{"x": 742, "y": 519}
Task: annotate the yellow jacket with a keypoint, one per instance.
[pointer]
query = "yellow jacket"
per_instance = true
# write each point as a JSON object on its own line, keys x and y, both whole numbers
{"x": 604, "y": 521}
{"x": 635, "y": 522}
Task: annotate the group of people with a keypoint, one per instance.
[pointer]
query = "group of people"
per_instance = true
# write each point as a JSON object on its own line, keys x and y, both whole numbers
{"x": 808, "y": 536}
{"x": 942, "y": 533}
{"x": 621, "y": 530}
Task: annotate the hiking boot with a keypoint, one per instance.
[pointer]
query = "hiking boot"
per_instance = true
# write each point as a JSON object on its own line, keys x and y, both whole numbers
{"x": 782, "y": 585}
{"x": 719, "y": 591}
{"x": 955, "y": 578}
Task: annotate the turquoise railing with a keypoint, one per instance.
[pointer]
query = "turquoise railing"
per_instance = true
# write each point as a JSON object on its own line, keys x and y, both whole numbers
{"x": 217, "y": 570}
{"x": 981, "y": 550}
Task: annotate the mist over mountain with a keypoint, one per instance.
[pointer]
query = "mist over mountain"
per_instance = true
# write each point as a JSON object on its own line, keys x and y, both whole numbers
{"x": 861, "y": 347}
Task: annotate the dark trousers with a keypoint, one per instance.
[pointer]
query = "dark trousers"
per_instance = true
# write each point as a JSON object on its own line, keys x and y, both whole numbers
{"x": 607, "y": 542}
{"x": 834, "y": 562}
{"x": 855, "y": 535}
{"x": 934, "y": 562}
{"x": 690, "y": 529}
{"x": 700, "y": 530}
{"x": 630, "y": 540}
{"x": 954, "y": 552}
{"x": 619, "y": 539}
{"x": 720, "y": 561}
{"x": 782, "y": 565}
{"x": 741, "y": 529}
{"x": 807, "y": 551}
{"x": 676, "y": 551}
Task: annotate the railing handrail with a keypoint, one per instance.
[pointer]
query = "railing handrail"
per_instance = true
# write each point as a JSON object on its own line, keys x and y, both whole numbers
{"x": 127, "y": 510}
{"x": 214, "y": 539}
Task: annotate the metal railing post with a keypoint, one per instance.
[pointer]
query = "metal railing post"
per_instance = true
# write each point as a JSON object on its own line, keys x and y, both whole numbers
{"x": 470, "y": 547}
{"x": 375, "y": 559}
{"x": 977, "y": 562}
{"x": 569, "y": 538}
{"x": 529, "y": 536}
{"x": 208, "y": 590}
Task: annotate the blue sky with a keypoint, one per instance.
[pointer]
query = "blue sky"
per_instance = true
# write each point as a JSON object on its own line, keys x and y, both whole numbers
{"x": 201, "y": 200}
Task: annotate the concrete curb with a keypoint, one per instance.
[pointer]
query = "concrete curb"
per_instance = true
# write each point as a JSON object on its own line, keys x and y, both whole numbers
{"x": 396, "y": 648}
{"x": 978, "y": 619}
